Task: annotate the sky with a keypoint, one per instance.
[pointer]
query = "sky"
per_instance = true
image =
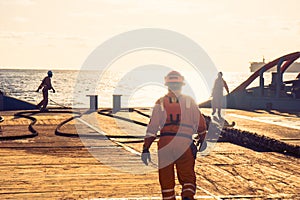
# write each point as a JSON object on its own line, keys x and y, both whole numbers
{"x": 62, "y": 33}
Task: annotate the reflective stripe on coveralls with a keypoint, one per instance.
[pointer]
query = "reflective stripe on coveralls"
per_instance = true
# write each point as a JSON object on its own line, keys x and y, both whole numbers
{"x": 184, "y": 111}
{"x": 185, "y": 173}
{"x": 189, "y": 187}
{"x": 168, "y": 194}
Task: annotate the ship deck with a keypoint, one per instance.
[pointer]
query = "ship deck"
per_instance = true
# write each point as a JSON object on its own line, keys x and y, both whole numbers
{"x": 55, "y": 167}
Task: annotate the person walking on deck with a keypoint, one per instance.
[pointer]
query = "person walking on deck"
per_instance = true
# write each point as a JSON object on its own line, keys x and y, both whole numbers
{"x": 45, "y": 86}
{"x": 296, "y": 87}
{"x": 217, "y": 94}
{"x": 177, "y": 117}
{"x": 1, "y": 120}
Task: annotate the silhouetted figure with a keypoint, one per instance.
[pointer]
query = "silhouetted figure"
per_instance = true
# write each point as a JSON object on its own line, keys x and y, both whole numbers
{"x": 46, "y": 85}
{"x": 1, "y": 104}
{"x": 217, "y": 94}
{"x": 1, "y": 120}
{"x": 296, "y": 87}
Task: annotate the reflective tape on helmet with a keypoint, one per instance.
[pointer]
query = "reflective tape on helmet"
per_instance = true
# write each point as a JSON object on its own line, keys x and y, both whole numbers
{"x": 174, "y": 77}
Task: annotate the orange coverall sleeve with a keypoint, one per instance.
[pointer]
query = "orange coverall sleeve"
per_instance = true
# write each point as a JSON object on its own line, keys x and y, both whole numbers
{"x": 157, "y": 120}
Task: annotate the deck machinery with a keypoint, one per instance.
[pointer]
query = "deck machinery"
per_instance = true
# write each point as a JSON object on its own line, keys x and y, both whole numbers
{"x": 278, "y": 95}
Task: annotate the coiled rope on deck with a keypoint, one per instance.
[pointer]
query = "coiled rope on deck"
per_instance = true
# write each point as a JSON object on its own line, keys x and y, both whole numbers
{"x": 106, "y": 112}
{"x": 228, "y": 133}
{"x": 33, "y": 132}
{"x": 259, "y": 142}
{"x": 235, "y": 136}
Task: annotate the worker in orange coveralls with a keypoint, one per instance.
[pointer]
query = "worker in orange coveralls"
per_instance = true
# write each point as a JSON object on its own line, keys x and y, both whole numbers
{"x": 46, "y": 85}
{"x": 177, "y": 117}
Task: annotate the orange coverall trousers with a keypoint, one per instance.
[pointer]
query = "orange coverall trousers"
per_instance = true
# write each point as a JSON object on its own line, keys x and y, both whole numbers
{"x": 171, "y": 156}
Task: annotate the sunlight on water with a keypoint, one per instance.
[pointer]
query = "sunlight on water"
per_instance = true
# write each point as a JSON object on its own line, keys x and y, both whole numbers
{"x": 23, "y": 83}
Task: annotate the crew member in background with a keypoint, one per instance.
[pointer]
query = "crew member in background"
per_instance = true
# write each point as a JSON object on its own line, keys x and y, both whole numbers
{"x": 1, "y": 120}
{"x": 46, "y": 85}
{"x": 1, "y": 104}
{"x": 217, "y": 94}
{"x": 296, "y": 87}
{"x": 177, "y": 117}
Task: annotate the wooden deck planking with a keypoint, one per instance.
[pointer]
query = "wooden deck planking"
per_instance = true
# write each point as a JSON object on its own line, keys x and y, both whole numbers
{"x": 55, "y": 167}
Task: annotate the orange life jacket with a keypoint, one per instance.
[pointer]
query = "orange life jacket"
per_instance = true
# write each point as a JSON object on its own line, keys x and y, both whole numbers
{"x": 172, "y": 106}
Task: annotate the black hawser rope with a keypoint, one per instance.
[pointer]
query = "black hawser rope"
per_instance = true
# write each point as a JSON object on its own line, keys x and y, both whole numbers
{"x": 229, "y": 134}
{"x": 33, "y": 132}
{"x": 28, "y": 115}
{"x": 106, "y": 112}
{"x": 236, "y": 136}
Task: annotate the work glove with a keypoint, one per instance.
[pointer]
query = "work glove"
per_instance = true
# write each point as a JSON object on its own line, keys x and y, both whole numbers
{"x": 201, "y": 136}
{"x": 146, "y": 158}
{"x": 53, "y": 90}
{"x": 201, "y": 143}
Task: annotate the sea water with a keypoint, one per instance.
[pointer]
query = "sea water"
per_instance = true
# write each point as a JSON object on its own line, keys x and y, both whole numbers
{"x": 72, "y": 91}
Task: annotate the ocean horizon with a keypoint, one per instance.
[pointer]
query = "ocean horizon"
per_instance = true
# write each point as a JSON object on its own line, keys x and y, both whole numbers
{"x": 70, "y": 92}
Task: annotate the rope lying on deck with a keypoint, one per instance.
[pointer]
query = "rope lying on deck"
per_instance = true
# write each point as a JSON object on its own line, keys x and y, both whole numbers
{"x": 33, "y": 132}
{"x": 259, "y": 142}
{"x": 243, "y": 138}
{"x": 27, "y": 115}
{"x": 256, "y": 141}
{"x": 58, "y": 132}
{"x": 106, "y": 112}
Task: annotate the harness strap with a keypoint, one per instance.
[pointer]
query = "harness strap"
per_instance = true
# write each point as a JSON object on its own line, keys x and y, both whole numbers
{"x": 179, "y": 124}
{"x": 176, "y": 134}
{"x": 177, "y": 118}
